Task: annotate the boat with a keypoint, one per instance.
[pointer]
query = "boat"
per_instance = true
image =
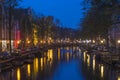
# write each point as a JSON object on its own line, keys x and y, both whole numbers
{"x": 28, "y": 61}
{"x": 5, "y": 66}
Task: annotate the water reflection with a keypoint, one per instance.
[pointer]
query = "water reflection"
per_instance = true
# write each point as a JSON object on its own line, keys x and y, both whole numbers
{"x": 93, "y": 62}
{"x": 84, "y": 56}
{"x": 35, "y": 66}
{"x": 88, "y": 60}
{"x": 63, "y": 64}
{"x": 102, "y": 71}
{"x": 28, "y": 70}
{"x": 41, "y": 63}
{"x": 50, "y": 56}
{"x": 59, "y": 54}
{"x": 67, "y": 56}
{"x": 18, "y": 74}
{"x": 45, "y": 60}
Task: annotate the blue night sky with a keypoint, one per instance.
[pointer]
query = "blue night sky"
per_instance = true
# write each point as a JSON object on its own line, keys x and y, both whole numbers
{"x": 67, "y": 11}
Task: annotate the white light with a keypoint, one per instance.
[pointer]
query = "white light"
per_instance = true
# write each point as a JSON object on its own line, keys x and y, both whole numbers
{"x": 93, "y": 41}
{"x": 83, "y": 41}
{"x": 118, "y": 41}
{"x": 102, "y": 41}
{"x": 87, "y": 41}
{"x": 4, "y": 45}
{"x": 18, "y": 42}
{"x": 102, "y": 71}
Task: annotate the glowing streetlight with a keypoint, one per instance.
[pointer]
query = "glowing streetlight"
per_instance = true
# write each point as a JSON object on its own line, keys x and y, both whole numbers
{"x": 44, "y": 41}
{"x": 50, "y": 38}
{"x": 118, "y": 41}
{"x": 18, "y": 42}
{"x": 41, "y": 41}
{"x": 118, "y": 45}
{"x": 28, "y": 42}
{"x": 102, "y": 41}
{"x": 93, "y": 41}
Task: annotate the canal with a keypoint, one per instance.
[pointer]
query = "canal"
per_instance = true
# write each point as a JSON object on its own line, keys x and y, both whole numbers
{"x": 64, "y": 63}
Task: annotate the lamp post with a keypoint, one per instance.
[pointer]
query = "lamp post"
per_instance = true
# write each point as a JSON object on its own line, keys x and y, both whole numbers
{"x": 118, "y": 41}
{"x": 118, "y": 46}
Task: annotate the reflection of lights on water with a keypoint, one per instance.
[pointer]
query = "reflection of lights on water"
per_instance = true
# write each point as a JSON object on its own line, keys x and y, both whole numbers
{"x": 18, "y": 74}
{"x": 45, "y": 53}
{"x": 58, "y": 53}
{"x": 88, "y": 60}
{"x": 94, "y": 62}
{"x": 67, "y": 54}
{"x": 36, "y": 62}
{"x": 36, "y": 65}
{"x": 44, "y": 60}
{"x": 50, "y": 55}
{"x": 71, "y": 54}
{"x": 84, "y": 56}
{"x": 41, "y": 63}
{"x": 28, "y": 69}
{"x": 102, "y": 71}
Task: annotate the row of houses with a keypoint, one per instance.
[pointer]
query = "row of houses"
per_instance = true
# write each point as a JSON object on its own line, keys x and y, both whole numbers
{"x": 114, "y": 31}
{"x": 19, "y": 29}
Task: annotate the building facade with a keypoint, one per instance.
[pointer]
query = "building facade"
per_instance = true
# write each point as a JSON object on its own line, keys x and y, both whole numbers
{"x": 114, "y": 31}
{"x": 19, "y": 30}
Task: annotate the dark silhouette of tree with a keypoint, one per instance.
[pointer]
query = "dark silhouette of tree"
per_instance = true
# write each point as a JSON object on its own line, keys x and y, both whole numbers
{"x": 46, "y": 24}
{"x": 9, "y": 6}
{"x": 98, "y": 18}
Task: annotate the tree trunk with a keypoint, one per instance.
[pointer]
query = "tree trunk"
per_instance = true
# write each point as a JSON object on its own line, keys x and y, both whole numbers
{"x": 10, "y": 25}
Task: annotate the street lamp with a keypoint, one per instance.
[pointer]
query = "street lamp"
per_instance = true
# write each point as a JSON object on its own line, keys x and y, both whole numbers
{"x": 102, "y": 41}
{"x": 118, "y": 41}
{"x": 118, "y": 45}
{"x": 18, "y": 42}
{"x": 93, "y": 41}
{"x": 41, "y": 41}
{"x": 28, "y": 42}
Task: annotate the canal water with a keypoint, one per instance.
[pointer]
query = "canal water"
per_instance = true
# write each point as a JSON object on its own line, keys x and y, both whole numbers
{"x": 65, "y": 63}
